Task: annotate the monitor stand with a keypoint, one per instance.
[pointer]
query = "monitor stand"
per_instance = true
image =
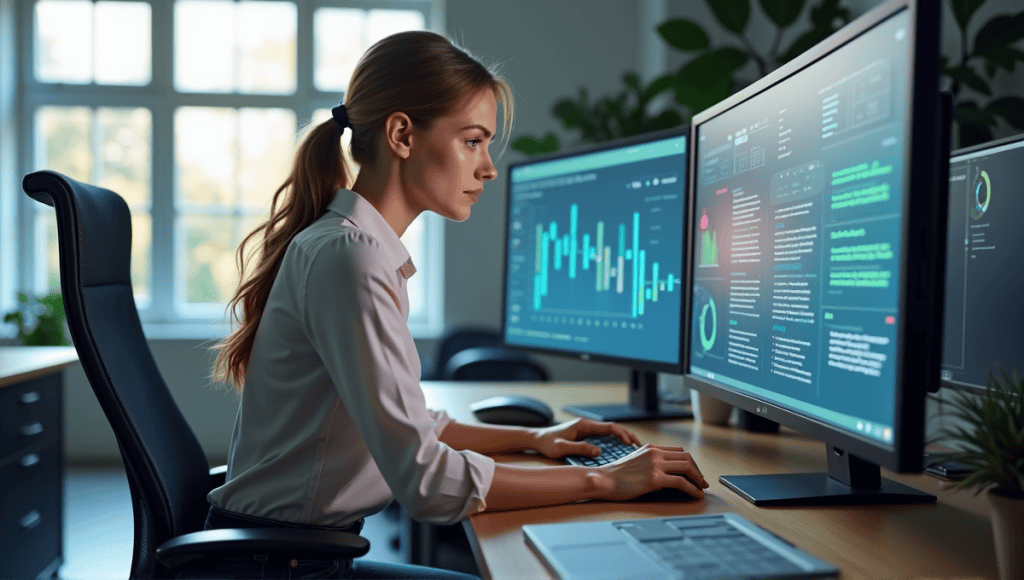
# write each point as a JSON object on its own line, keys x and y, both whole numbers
{"x": 850, "y": 481}
{"x": 643, "y": 403}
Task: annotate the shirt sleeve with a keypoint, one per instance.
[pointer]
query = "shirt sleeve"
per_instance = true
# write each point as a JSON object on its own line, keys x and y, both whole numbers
{"x": 351, "y": 312}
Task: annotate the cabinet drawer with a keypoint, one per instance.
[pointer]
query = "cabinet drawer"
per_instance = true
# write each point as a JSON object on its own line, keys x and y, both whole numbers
{"x": 29, "y": 413}
{"x": 30, "y": 516}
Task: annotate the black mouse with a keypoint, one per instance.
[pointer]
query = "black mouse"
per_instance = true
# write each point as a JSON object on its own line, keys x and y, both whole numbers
{"x": 513, "y": 410}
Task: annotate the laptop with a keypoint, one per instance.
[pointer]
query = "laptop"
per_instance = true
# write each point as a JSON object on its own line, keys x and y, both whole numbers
{"x": 709, "y": 546}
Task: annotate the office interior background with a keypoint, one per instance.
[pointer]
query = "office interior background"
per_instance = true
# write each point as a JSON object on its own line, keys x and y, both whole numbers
{"x": 548, "y": 49}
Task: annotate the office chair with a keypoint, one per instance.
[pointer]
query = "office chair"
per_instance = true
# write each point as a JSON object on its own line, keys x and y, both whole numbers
{"x": 167, "y": 471}
{"x": 493, "y": 363}
{"x": 457, "y": 338}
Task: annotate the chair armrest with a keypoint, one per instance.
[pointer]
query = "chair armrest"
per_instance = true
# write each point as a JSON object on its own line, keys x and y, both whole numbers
{"x": 218, "y": 475}
{"x": 290, "y": 543}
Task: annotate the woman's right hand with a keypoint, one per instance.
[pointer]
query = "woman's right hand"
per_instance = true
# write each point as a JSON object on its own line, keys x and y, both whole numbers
{"x": 650, "y": 468}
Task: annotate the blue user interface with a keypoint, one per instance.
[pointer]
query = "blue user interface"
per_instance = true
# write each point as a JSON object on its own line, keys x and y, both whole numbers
{"x": 595, "y": 252}
{"x": 984, "y": 328}
{"x": 797, "y": 237}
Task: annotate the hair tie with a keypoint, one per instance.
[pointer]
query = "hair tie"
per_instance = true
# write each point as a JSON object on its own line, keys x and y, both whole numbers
{"x": 340, "y": 115}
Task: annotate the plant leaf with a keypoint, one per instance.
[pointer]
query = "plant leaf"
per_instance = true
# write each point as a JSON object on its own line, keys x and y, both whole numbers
{"x": 783, "y": 12}
{"x": 684, "y": 34}
{"x": 531, "y": 146}
{"x": 732, "y": 14}
{"x": 967, "y": 76}
{"x": 964, "y": 9}
{"x": 708, "y": 79}
{"x": 1009, "y": 108}
{"x": 997, "y": 33}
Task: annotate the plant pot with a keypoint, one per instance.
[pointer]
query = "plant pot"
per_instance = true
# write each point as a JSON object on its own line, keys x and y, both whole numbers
{"x": 1008, "y": 532}
{"x": 709, "y": 410}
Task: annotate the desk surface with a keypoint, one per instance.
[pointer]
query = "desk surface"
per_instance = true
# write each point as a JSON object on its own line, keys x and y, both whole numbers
{"x": 20, "y": 363}
{"x": 951, "y": 538}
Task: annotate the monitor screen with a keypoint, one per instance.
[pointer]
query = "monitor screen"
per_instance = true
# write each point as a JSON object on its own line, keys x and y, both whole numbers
{"x": 814, "y": 284}
{"x": 798, "y": 235}
{"x": 984, "y": 326}
{"x": 594, "y": 252}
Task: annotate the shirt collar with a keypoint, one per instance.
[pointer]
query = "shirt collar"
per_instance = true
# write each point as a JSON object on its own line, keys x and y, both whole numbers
{"x": 353, "y": 207}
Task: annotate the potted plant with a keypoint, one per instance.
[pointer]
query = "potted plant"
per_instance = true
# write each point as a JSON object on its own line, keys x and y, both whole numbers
{"x": 987, "y": 431}
{"x": 40, "y": 321}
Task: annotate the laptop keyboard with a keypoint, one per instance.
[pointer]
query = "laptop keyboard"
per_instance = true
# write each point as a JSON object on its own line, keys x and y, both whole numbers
{"x": 710, "y": 547}
{"x": 612, "y": 449}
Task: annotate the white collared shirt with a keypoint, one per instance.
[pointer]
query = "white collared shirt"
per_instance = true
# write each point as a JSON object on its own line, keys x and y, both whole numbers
{"x": 332, "y": 423}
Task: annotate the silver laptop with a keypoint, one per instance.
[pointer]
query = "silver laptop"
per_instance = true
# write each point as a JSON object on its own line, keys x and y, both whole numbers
{"x": 713, "y": 546}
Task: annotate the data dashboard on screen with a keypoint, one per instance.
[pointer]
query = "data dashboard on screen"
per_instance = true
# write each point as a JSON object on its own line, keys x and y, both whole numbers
{"x": 984, "y": 325}
{"x": 595, "y": 252}
{"x": 797, "y": 237}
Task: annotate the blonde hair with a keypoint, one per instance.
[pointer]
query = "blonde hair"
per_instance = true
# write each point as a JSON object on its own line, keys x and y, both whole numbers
{"x": 421, "y": 74}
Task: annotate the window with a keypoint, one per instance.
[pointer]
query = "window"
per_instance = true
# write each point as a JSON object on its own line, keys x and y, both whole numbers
{"x": 191, "y": 110}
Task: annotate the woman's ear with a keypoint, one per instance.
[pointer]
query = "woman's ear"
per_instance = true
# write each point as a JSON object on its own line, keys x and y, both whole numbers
{"x": 398, "y": 134}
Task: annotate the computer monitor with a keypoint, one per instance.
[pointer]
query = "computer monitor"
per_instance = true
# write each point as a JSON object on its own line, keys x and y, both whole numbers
{"x": 984, "y": 326}
{"x": 594, "y": 262}
{"x": 814, "y": 284}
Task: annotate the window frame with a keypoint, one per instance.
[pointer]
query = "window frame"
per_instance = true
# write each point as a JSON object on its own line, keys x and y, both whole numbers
{"x": 162, "y": 318}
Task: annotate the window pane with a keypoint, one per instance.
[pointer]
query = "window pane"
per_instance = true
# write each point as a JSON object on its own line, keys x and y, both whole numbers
{"x": 210, "y": 271}
{"x": 266, "y": 47}
{"x": 204, "y": 42}
{"x": 125, "y": 137}
{"x": 123, "y": 46}
{"x": 206, "y": 155}
{"x": 267, "y": 144}
{"x": 383, "y": 23}
{"x": 64, "y": 41}
{"x": 338, "y": 35}
{"x": 62, "y": 141}
{"x": 142, "y": 236}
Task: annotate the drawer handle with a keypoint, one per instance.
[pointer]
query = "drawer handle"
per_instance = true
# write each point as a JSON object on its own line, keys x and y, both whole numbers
{"x": 34, "y": 428}
{"x": 29, "y": 460}
{"x": 29, "y": 397}
{"x": 31, "y": 520}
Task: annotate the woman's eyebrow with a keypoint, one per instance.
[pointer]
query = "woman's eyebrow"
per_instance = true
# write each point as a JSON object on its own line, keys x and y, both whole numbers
{"x": 487, "y": 132}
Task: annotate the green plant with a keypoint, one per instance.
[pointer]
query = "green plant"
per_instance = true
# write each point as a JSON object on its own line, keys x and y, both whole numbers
{"x": 988, "y": 430}
{"x": 703, "y": 81}
{"x": 40, "y": 321}
{"x": 976, "y": 68}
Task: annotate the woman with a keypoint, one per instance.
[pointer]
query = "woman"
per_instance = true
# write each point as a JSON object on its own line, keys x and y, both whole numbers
{"x": 332, "y": 423}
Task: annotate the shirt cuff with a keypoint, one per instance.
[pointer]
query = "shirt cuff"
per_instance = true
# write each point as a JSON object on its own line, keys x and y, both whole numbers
{"x": 441, "y": 420}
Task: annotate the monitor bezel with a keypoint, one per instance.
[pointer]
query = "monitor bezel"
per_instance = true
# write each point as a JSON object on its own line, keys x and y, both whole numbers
{"x": 916, "y": 293}
{"x": 634, "y": 363}
{"x": 987, "y": 147}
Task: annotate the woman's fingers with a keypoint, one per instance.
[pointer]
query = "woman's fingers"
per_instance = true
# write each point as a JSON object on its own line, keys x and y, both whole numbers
{"x": 680, "y": 456}
{"x": 682, "y": 483}
{"x": 686, "y": 468}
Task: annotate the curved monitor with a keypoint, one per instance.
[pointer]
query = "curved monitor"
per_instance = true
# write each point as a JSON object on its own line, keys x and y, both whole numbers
{"x": 594, "y": 255}
{"x": 984, "y": 325}
{"x": 813, "y": 286}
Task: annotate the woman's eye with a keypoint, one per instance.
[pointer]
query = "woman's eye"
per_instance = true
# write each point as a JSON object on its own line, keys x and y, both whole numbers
{"x": 473, "y": 142}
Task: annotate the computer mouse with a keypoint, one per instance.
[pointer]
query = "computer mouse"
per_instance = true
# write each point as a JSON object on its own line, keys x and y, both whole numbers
{"x": 513, "y": 410}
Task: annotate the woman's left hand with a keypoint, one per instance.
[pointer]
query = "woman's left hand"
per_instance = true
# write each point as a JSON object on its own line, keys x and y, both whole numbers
{"x": 564, "y": 439}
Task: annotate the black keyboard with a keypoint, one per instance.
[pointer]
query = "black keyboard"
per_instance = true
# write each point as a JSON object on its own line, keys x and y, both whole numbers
{"x": 612, "y": 449}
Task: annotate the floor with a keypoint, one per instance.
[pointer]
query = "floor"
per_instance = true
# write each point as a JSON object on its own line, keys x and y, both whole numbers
{"x": 98, "y": 526}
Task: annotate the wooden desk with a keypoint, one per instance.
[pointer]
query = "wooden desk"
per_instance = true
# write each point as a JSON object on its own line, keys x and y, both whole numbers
{"x": 32, "y": 459}
{"x": 951, "y": 538}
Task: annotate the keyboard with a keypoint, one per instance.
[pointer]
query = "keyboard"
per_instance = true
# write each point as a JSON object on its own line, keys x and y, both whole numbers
{"x": 719, "y": 546}
{"x": 612, "y": 449}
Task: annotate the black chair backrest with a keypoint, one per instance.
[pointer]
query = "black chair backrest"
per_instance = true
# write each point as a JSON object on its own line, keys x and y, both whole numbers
{"x": 493, "y": 363}
{"x": 458, "y": 338}
{"x": 167, "y": 470}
